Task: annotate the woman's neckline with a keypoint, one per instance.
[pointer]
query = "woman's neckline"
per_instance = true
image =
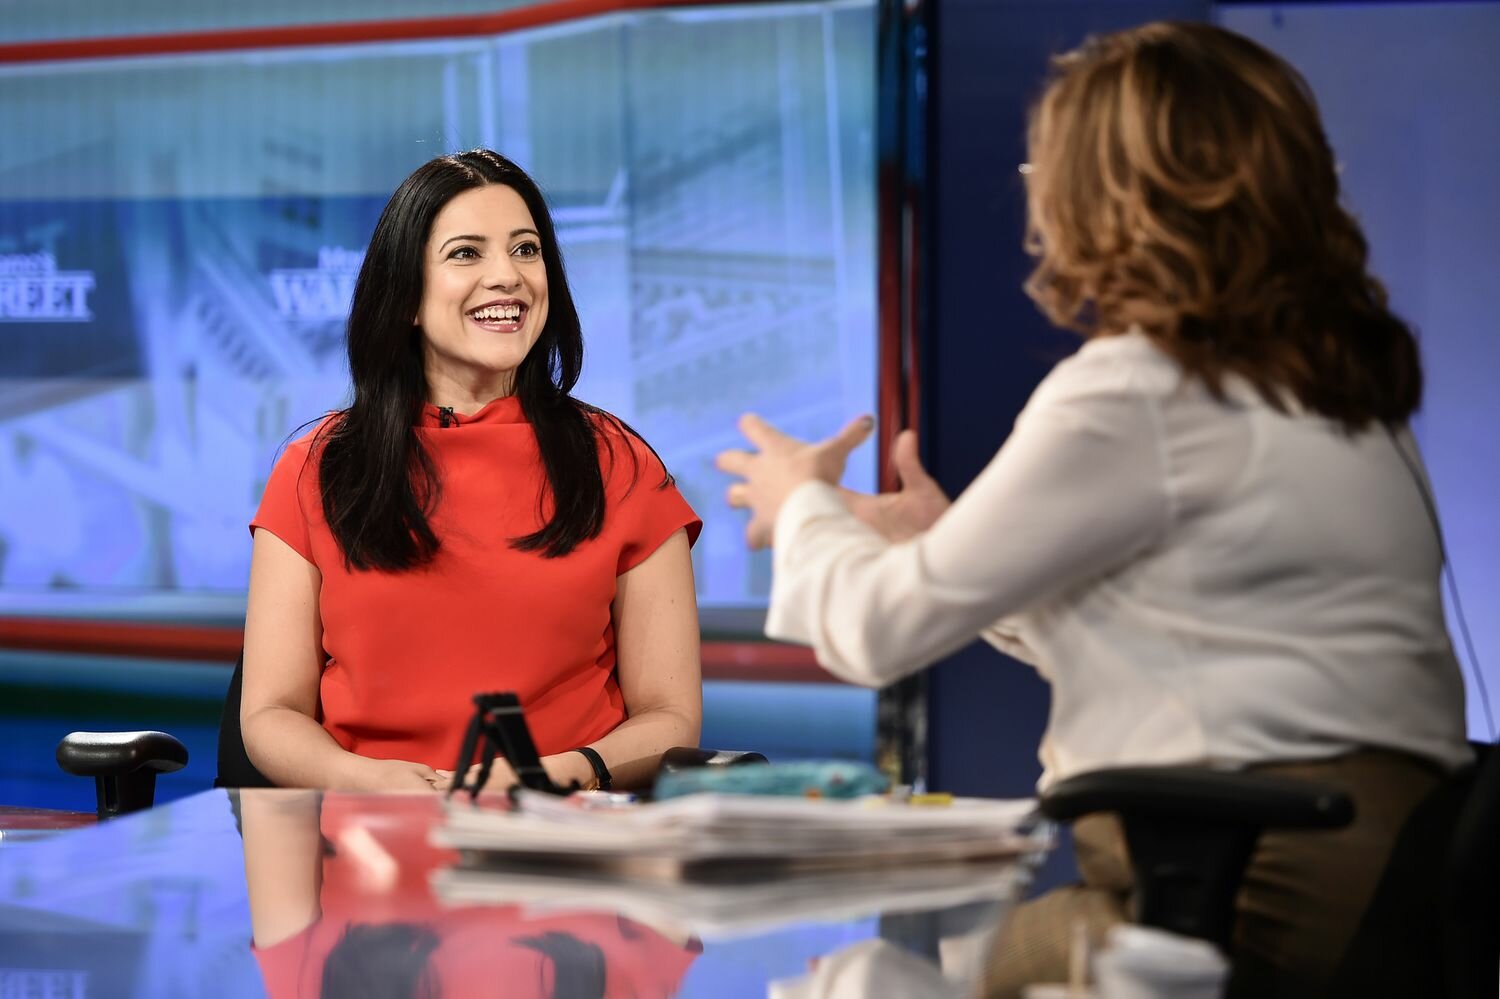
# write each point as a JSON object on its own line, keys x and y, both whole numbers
{"x": 506, "y": 409}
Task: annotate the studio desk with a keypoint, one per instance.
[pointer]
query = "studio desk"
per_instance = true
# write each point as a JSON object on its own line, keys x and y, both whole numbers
{"x": 230, "y": 894}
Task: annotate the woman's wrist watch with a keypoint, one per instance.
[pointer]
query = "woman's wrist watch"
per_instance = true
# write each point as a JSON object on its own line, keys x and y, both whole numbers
{"x": 601, "y": 772}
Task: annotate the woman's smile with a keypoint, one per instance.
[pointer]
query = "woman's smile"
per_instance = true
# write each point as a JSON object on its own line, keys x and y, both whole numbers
{"x": 506, "y": 315}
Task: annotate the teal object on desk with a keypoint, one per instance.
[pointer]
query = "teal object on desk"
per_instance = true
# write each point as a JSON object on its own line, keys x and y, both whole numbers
{"x": 831, "y": 779}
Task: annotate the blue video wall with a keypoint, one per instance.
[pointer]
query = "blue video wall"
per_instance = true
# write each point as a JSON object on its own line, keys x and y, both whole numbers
{"x": 179, "y": 237}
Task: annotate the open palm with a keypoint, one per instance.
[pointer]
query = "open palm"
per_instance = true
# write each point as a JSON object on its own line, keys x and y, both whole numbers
{"x": 910, "y": 510}
{"x": 779, "y": 465}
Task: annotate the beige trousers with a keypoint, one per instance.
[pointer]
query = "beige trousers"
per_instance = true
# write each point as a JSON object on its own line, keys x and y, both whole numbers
{"x": 1301, "y": 901}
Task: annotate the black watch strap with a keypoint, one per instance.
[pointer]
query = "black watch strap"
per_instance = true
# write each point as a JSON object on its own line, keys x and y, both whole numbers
{"x": 597, "y": 762}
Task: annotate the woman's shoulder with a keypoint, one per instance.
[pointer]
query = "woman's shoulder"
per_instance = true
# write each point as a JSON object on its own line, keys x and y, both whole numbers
{"x": 1118, "y": 380}
{"x": 296, "y": 467}
{"x": 1128, "y": 362}
{"x": 607, "y": 423}
{"x": 615, "y": 433}
{"x": 626, "y": 458}
{"x": 1132, "y": 363}
{"x": 312, "y": 436}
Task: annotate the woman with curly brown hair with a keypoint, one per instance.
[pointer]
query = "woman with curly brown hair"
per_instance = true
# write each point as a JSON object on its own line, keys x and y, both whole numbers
{"x": 1208, "y": 529}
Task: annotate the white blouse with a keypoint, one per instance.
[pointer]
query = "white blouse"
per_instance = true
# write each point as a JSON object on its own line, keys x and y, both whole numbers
{"x": 1201, "y": 581}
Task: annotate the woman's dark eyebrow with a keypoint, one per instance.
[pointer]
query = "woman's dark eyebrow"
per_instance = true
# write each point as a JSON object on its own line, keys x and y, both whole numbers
{"x": 480, "y": 239}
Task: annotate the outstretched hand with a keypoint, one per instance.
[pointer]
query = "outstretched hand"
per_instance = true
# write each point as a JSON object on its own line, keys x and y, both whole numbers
{"x": 913, "y": 508}
{"x": 779, "y": 465}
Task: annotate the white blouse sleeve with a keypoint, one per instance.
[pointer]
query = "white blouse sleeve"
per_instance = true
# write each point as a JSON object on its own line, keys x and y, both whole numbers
{"x": 1005, "y": 636}
{"x": 1078, "y": 489}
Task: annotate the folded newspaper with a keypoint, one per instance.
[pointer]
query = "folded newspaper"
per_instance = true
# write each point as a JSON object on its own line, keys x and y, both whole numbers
{"x": 728, "y": 838}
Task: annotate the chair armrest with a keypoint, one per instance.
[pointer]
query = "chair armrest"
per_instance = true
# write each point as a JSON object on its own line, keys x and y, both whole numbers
{"x": 114, "y": 754}
{"x": 1200, "y": 794}
{"x": 690, "y": 758}
{"x": 1191, "y": 831}
{"x": 124, "y": 765}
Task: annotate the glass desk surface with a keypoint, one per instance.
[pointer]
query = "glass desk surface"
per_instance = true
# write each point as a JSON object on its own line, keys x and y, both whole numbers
{"x": 293, "y": 893}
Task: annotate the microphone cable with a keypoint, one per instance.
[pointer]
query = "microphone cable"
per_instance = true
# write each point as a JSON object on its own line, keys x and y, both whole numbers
{"x": 1430, "y": 503}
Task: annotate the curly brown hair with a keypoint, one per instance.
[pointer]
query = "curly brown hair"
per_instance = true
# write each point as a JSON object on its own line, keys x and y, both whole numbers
{"x": 1180, "y": 182}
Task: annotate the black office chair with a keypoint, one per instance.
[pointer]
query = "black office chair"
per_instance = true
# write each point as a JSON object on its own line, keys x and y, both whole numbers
{"x": 235, "y": 768}
{"x": 1433, "y": 925}
{"x": 1191, "y": 832}
{"x": 124, "y": 765}
{"x": 1471, "y": 885}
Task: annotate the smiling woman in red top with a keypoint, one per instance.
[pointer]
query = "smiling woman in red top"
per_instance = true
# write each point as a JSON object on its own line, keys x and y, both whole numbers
{"x": 466, "y": 525}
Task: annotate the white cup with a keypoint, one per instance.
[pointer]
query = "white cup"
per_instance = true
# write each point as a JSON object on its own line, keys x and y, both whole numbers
{"x": 1142, "y": 963}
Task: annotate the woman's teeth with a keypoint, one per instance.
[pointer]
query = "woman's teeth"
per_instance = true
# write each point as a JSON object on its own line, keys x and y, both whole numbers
{"x": 497, "y": 313}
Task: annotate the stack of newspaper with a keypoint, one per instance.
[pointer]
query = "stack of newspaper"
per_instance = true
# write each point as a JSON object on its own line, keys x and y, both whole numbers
{"x": 724, "y": 864}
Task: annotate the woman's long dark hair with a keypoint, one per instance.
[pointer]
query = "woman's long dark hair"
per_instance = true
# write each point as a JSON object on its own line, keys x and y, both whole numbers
{"x": 379, "y": 484}
{"x": 394, "y": 961}
{"x": 390, "y": 961}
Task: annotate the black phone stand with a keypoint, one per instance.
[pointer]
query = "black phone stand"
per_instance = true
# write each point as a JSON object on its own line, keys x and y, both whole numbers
{"x": 499, "y": 729}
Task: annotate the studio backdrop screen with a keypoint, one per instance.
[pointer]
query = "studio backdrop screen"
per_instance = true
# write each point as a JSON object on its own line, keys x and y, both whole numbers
{"x": 179, "y": 237}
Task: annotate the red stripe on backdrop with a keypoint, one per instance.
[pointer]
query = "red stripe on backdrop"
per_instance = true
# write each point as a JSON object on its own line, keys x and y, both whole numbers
{"x": 342, "y": 33}
{"x": 765, "y": 662}
{"x": 114, "y": 638}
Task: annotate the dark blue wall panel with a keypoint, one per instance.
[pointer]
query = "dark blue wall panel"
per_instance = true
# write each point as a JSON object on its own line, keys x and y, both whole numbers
{"x": 985, "y": 346}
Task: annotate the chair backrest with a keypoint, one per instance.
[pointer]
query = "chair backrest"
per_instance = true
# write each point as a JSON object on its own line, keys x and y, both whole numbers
{"x": 1471, "y": 902}
{"x": 1432, "y": 927}
{"x": 235, "y": 768}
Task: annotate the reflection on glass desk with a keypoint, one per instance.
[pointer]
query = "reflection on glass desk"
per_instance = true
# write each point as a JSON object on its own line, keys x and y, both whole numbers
{"x": 291, "y": 893}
